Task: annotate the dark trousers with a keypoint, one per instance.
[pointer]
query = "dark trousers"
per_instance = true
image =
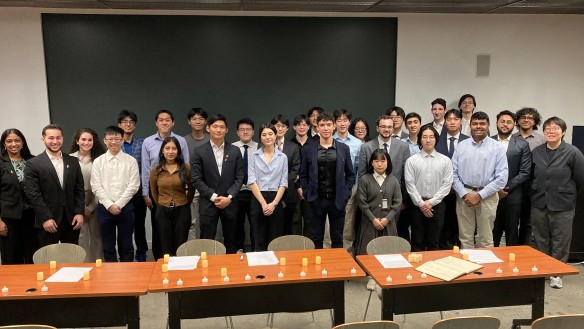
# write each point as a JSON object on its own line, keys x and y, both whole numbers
{"x": 173, "y": 227}
{"x": 319, "y": 209}
{"x": 244, "y": 211}
{"x": 156, "y": 250}
{"x": 426, "y": 231}
{"x": 525, "y": 229}
{"x": 507, "y": 221}
{"x": 140, "y": 223}
{"x": 65, "y": 233}
{"x": 289, "y": 211}
{"x": 403, "y": 219}
{"x": 21, "y": 242}
{"x": 121, "y": 225}
{"x": 449, "y": 234}
{"x": 301, "y": 219}
{"x": 228, "y": 218}
{"x": 266, "y": 228}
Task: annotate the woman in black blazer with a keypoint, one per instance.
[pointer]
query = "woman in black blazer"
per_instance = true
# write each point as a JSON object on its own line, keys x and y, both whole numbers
{"x": 17, "y": 233}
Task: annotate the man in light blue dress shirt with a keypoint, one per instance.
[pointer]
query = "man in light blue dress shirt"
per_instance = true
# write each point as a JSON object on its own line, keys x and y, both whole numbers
{"x": 479, "y": 170}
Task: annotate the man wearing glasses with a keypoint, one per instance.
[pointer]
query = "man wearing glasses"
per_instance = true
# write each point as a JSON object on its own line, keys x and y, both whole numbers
{"x": 115, "y": 179}
{"x": 397, "y": 114}
{"x": 466, "y": 105}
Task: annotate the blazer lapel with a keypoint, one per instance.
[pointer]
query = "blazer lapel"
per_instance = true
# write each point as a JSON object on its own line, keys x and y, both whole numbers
{"x": 212, "y": 156}
{"x": 393, "y": 149}
{"x": 559, "y": 152}
{"x": 48, "y": 163}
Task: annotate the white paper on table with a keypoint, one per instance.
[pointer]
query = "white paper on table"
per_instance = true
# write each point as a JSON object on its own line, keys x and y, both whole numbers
{"x": 182, "y": 263}
{"x": 481, "y": 256}
{"x": 393, "y": 261}
{"x": 68, "y": 274}
{"x": 261, "y": 258}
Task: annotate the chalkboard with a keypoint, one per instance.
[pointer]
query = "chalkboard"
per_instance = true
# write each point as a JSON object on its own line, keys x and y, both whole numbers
{"x": 251, "y": 67}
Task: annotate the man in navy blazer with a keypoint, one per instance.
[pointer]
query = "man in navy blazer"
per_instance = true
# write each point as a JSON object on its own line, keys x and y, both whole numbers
{"x": 217, "y": 173}
{"x": 510, "y": 198}
{"x": 54, "y": 187}
{"x": 326, "y": 178}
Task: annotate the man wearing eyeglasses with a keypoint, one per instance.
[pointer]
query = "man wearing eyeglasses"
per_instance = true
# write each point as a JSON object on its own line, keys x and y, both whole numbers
{"x": 467, "y": 105}
{"x": 115, "y": 179}
{"x": 397, "y": 114}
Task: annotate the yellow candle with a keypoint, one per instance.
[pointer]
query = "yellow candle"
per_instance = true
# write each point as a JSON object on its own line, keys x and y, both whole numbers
{"x": 420, "y": 257}
{"x": 204, "y": 255}
{"x": 223, "y": 271}
{"x": 86, "y": 276}
{"x": 511, "y": 257}
{"x": 465, "y": 256}
{"x": 40, "y": 276}
{"x": 304, "y": 261}
{"x": 283, "y": 261}
{"x": 166, "y": 258}
{"x": 317, "y": 260}
{"x": 98, "y": 263}
{"x": 456, "y": 249}
{"x": 53, "y": 264}
{"x": 205, "y": 263}
{"x": 164, "y": 267}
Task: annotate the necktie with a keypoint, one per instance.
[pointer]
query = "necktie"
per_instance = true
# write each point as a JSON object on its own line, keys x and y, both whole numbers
{"x": 451, "y": 147}
{"x": 385, "y": 147}
{"x": 245, "y": 147}
{"x": 280, "y": 145}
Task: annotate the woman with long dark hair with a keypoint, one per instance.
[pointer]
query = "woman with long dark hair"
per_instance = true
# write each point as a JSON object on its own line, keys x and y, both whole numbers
{"x": 17, "y": 233}
{"x": 360, "y": 129}
{"x": 172, "y": 192}
{"x": 86, "y": 147}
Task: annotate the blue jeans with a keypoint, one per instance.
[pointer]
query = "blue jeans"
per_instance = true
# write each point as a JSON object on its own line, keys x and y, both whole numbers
{"x": 124, "y": 224}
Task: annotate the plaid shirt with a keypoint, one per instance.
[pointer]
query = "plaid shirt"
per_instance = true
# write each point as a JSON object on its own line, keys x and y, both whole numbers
{"x": 134, "y": 149}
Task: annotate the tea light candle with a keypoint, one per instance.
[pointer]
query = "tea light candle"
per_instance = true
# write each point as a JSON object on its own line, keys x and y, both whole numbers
{"x": 4, "y": 290}
{"x": 165, "y": 281}
{"x": 511, "y": 257}
{"x": 205, "y": 280}
{"x": 226, "y": 279}
{"x": 515, "y": 270}
{"x": 410, "y": 258}
{"x": 98, "y": 263}
{"x": 223, "y": 271}
{"x": 53, "y": 264}
{"x": 424, "y": 275}
{"x": 317, "y": 260}
{"x": 456, "y": 250}
{"x": 283, "y": 261}
{"x": 388, "y": 279}
{"x": 465, "y": 256}
{"x": 304, "y": 261}
{"x": 409, "y": 277}
{"x": 203, "y": 255}
{"x": 534, "y": 268}
{"x": 205, "y": 263}
{"x": 165, "y": 267}
{"x": 247, "y": 277}
{"x": 499, "y": 271}
{"x": 166, "y": 258}
{"x": 419, "y": 257}
{"x": 302, "y": 274}
{"x": 353, "y": 271}
{"x": 280, "y": 275}
{"x": 324, "y": 272}
{"x": 86, "y": 276}
{"x": 179, "y": 282}
{"x": 40, "y": 276}
{"x": 44, "y": 288}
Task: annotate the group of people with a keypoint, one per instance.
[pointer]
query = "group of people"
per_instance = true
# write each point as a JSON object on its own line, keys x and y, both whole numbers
{"x": 437, "y": 185}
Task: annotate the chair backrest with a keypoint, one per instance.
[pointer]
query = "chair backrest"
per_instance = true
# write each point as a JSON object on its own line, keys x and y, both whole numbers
{"x": 28, "y": 326}
{"x": 388, "y": 245}
{"x": 291, "y": 242}
{"x": 474, "y": 322}
{"x": 568, "y": 321}
{"x": 60, "y": 252}
{"x": 195, "y": 247}
{"x": 369, "y": 325}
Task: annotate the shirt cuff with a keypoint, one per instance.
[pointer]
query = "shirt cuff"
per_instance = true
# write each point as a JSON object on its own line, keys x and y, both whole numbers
{"x": 213, "y": 197}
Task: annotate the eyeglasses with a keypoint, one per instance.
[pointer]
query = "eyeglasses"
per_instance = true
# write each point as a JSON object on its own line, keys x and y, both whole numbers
{"x": 113, "y": 140}
{"x": 128, "y": 122}
{"x": 393, "y": 117}
{"x": 280, "y": 126}
{"x": 245, "y": 130}
{"x": 526, "y": 117}
{"x": 467, "y": 103}
{"x": 361, "y": 129}
{"x": 385, "y": 127}
{"x": 554, "y": 129}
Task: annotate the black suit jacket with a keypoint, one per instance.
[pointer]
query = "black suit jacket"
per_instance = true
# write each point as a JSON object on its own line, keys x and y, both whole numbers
{"x": 292, "y": 152}
{"x": 519, "y": 162}
{"x": 207, "y": 180}
{"x": 46, "y": 196}
{"x": 442, "y": 145}
{"x": 11, "y": 202}
{"x": 344, "y": 179}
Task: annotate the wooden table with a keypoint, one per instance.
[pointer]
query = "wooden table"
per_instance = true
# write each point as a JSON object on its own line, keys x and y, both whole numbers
{"x": 265, "y": 292}
{"x": 474, "y": 290}
{"x": 108, "y": 299}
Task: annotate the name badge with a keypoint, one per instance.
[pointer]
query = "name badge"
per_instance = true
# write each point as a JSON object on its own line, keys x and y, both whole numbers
{"x": 384, "y": 204}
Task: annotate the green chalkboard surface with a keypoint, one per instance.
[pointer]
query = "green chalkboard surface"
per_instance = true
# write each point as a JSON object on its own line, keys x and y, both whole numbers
{"x": 251, "y": 67}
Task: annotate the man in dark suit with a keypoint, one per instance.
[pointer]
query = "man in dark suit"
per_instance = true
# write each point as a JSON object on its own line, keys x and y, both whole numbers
{"x": 438, "y": 113}
{"x": 292, "y": 152}
{"x": 312, "y": 115}
{"x": 54, "y": 187}
{"x": 510, "y": 198}
{"x": 326, "y": 178}
{"x": 447, "y": 145}
{"x": 398, "y": 115}
{"x": 217, "y": 173}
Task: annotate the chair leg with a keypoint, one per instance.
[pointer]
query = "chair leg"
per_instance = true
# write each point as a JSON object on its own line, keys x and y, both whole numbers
{"x": 312, "y": 316}
{"x": 367, "y": 307}
{"x": 272, "y": 321}
{"x": 332, "y": 318}
{"x": 441, "y": 316}
{"x": 268, "y": 320}
{"x": 231, "y": 322}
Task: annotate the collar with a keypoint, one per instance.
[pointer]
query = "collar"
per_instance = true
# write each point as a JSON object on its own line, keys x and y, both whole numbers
{"x": 508, "y": 139}
{"x": 376, "y": 175}
{"x": 60, "y": 157}
{"x": 109, "y": 155}
{"x": 217, "y": 146}
{"x": 381, "y": 142}
{"x": 457, "y": 136}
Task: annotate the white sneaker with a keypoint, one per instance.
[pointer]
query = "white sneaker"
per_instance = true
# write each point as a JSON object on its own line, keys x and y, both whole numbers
{"x": 556, "y": 282}
{"x": 371, "y": 285}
